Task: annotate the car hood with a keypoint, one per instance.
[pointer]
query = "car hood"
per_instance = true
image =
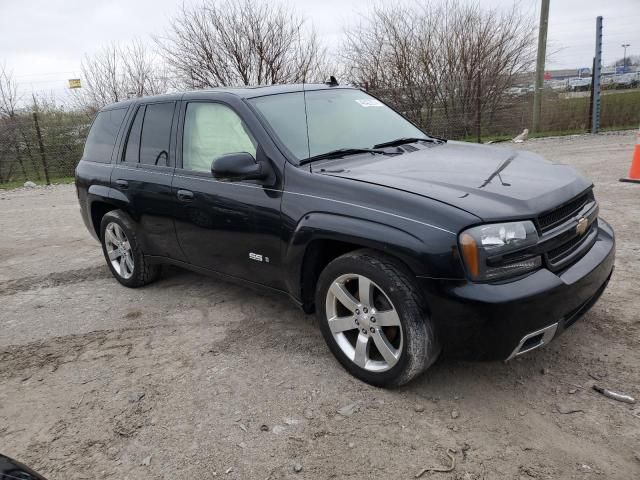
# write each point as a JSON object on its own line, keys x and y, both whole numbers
{"x": 489, "y": 182}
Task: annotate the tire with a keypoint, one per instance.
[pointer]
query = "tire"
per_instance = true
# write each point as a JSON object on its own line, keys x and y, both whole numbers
{"x": 403, "y": 328}
{"x": 118, "y": 234}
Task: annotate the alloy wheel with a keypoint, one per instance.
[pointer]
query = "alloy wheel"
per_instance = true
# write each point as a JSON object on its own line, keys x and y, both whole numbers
{"x": 364, "y": 323}
{"x": 119, "y": 250}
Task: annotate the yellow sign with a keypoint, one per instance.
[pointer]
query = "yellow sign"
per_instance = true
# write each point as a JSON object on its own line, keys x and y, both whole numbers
{"x": 74, "y": 83}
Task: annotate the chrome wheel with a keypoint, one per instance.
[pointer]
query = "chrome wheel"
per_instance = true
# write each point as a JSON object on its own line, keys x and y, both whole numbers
{"x": 364, "y": 322}
{"x": 118, "y": 250}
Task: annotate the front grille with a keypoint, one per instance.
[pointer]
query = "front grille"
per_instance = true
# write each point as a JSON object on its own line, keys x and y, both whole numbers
{"x": 561, "y": 252}
{"x": 558, "y": 216}
{"x": 563, "y": 244}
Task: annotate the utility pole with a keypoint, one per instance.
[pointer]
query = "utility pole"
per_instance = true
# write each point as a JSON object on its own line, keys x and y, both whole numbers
{"x": 593, "y": 76}
{"x": 542, "y": 52}
{"x": 479, "y": 107}
{"x": 624, "y": 57}
{"x": 595, "y": 81}
{"x": 41, "y": 147}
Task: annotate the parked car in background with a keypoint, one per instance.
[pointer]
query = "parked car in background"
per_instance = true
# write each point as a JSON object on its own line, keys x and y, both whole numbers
{"x": 405, "y": 245}
{"x": 626, "y": 80}
{"x": 558, "y": 85}
{"x": 607, "y": 80}
{"x": 517, "y": 91}
{"x": 579, "y": 84}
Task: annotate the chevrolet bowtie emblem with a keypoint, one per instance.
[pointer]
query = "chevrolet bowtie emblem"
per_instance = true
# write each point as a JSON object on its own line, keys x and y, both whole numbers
{"x": 583, "y": 223}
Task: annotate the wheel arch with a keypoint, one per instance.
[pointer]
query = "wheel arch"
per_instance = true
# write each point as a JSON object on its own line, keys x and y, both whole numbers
{"x": 102, "y": 199}
{"x": 322, "y": 237}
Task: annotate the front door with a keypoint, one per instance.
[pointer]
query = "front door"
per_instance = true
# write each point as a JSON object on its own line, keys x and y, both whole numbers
{"x": 229, "y": 227}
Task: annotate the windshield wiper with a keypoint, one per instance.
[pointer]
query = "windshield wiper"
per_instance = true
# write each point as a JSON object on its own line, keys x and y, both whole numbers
{"x": 405, "y": 140}
{"x": 342, "y": 152}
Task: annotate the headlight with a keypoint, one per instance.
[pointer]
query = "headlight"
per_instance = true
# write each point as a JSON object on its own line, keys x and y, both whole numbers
{"x": 490, "y": 251}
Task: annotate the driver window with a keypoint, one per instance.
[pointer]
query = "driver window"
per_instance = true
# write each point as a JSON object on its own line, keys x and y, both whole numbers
{"x": 212, "y": 130}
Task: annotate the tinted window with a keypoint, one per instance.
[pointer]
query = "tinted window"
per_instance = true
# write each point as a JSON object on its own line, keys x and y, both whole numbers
{"x": 156, "y": 134}
{"x": 102, "y": 137}
{"x": 337, "y": 118}
{"x": 132, "y": 151}
{"x": 211, "y": 130}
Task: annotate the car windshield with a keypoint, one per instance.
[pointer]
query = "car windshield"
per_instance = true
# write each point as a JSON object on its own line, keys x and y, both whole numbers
{"x": 337, "y": 119}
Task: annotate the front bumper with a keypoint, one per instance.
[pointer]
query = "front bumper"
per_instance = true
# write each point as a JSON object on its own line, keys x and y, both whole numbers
{"x": 492, "y": 321}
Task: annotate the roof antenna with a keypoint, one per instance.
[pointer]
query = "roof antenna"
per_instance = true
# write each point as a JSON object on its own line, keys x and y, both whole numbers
{"x": 332, "y": 81}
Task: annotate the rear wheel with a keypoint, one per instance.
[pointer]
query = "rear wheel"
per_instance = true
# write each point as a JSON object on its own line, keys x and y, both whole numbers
{"x": 374, "y": 319}
{"x": 122, "y": 251}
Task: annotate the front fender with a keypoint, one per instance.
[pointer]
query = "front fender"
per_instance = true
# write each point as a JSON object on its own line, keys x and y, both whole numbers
{"x": 427, "y": 257}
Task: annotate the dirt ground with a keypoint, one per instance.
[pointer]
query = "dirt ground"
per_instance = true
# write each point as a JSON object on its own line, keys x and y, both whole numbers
{"x": 192, "y": 377}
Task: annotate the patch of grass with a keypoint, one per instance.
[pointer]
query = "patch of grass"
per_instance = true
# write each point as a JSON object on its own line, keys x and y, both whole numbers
{"x": 549, "y": 133}
{"x": 19, "y": 183}
{"x": 563, "y": 133}
{"x": 620, "y": 110}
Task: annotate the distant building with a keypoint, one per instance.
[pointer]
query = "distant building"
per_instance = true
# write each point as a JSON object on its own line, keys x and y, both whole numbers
{"x": 529, "y": 78}
{"x": 569, "y": 73}
{"x": 569, "y": 78}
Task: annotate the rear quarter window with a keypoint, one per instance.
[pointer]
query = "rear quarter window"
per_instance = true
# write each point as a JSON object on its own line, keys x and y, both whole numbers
{"x": 102, "y": 136}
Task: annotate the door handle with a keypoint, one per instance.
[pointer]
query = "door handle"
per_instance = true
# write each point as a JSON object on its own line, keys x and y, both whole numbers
{"x": 185, "y": 195}
{"x": 122, "y": 184}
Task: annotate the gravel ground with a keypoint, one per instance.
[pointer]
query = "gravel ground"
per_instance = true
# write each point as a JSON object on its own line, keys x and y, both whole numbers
{"x": 192, "y": 377}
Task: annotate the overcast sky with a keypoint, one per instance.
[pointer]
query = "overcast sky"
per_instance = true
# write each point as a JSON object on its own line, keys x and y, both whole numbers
{"x": 43, "y": 41}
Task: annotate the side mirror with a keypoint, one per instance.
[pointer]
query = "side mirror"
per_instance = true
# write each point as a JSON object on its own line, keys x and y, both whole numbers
{"x": 237, "y": 166}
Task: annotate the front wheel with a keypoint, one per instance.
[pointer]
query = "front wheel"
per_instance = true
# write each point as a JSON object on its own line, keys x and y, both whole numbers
{"x": 374, "y": 319}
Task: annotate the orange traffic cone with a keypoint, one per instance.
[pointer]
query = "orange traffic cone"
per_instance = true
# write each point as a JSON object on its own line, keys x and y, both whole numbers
{"x": 634, "y": 170}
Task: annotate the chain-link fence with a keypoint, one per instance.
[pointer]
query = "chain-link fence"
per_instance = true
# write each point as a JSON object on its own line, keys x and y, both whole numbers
{"x": 474, "y": 119}
{"x": 47, "y": 144}
{"x": 41, "y": 146}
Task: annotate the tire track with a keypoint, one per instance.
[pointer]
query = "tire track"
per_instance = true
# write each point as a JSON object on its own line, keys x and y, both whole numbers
{"x": 55, "y": 279}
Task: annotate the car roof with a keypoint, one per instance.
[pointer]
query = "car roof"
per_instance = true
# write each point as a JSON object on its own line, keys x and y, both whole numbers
{"x": 242, "y": 92}
{"x": 261, "y": 91}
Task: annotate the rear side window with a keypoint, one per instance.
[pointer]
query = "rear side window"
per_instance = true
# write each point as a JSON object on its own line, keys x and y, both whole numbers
{"x": 156, "y": 134}
{"x": 102, "y": 136}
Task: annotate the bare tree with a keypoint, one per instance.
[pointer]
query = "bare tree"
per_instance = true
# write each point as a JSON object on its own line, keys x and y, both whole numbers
{"x": 389, "y": 52}
{"x": 444, "y": 66}
{"x": 144, "y": 73}
{"x": 10, "y": 154}
{"x": 9, "y": 96}
{"x": 103, "y": 78}
{"x": 241, "y": 42}
{"x": 116, "y": 73}
{"x": 629, "y": 61}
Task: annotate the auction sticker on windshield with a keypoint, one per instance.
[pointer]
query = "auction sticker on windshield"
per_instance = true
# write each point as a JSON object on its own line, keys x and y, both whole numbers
{"x": 369, "y": 102}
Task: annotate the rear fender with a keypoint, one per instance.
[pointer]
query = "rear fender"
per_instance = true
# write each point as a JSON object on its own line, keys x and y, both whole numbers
{"x": 102, "y": 194}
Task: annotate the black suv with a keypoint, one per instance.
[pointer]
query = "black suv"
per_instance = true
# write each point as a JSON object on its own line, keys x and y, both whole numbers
{"x": 404, "y": 244}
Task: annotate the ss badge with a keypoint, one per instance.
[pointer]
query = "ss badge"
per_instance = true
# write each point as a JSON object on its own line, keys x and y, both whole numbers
{"x": 255, "y": 256}
{"x": 258, "y": 258}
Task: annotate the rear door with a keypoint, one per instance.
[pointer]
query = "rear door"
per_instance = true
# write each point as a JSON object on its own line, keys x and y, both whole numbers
{"x": 143, "y": 176}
